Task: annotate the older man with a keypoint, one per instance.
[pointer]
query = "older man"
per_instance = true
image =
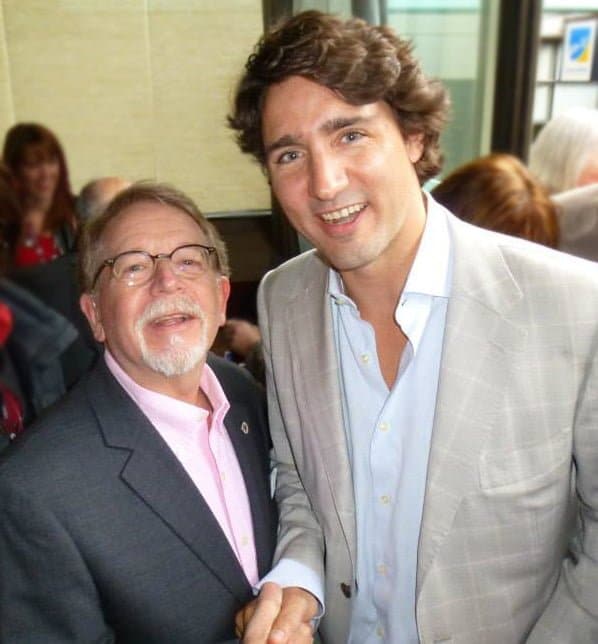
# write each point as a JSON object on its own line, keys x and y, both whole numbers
{"x": 138, "y": 509}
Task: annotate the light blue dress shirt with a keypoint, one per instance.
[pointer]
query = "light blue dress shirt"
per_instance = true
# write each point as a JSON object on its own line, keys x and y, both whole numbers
{"x": 388, "y": 436}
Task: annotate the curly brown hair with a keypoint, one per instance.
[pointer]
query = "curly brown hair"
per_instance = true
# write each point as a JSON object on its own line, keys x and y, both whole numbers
{"x": 362, "y": 62}
{"x": 499, "y": 193}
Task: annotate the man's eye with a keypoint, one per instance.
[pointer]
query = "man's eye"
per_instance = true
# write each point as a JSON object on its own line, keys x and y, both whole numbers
{"x": 288, "y": 157}
{"x": 136, "y": 268}
{"x": 349, "y": 137}
{"x": 188, "y": 263}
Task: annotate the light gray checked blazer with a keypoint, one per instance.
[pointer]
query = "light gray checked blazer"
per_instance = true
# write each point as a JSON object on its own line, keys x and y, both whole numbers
{"x": 509, "y": 542}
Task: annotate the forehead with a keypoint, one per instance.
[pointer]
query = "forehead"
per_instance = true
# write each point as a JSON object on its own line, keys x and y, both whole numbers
{"x": 151, "y": 226}
{"x": 298, "y": 107}
{"x": 36, "y": 152}
{"x": 297, "y": 98}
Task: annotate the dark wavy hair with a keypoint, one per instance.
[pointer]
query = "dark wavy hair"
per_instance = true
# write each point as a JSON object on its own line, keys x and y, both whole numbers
{"x": 24, "y": 139}
{"x": 499, "y": 193}
{"x": 362, "y": 62}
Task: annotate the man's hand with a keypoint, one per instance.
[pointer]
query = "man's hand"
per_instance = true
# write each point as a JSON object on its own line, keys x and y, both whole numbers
{"x": 277, "y": 616}
{"x": 241, "y": 336}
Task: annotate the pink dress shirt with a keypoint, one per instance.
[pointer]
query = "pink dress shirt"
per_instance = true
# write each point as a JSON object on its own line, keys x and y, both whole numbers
{"x": 205, "y": 452}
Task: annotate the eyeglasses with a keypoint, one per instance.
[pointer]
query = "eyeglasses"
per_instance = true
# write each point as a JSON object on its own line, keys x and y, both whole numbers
{"x": 137, "y": 267}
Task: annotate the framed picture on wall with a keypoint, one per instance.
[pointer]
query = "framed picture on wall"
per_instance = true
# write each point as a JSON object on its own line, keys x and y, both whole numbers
{"x": 579, "y": 51}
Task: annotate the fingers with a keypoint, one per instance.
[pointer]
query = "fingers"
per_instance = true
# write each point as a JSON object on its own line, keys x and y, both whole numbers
{"x": 265, "y": 610}
{"x": 242, "y": 618}
{"x": 293, "y": 624}
{"x": 278, "y": 617}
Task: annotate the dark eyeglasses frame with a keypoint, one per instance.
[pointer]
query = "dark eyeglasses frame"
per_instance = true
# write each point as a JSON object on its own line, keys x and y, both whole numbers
{"x": 111, "y": 260}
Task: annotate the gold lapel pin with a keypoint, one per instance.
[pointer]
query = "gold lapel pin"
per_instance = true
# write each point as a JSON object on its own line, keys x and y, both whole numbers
{"x": 245, "y": 427}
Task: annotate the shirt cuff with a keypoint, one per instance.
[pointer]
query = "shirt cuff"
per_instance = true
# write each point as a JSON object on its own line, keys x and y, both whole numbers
{"x": 288, "y": 572}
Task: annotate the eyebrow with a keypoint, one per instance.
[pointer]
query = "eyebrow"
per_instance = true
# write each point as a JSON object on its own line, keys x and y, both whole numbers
{"x": 328, "y": 127}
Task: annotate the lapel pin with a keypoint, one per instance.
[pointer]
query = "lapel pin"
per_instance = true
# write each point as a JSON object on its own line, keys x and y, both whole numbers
{"x": 245, "y": 427}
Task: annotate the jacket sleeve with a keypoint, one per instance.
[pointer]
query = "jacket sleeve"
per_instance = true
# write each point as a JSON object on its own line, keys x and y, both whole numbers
{"x": 300, "y": 536}
{"x": 571, "y": 616}
{"x": 46, "y": 592}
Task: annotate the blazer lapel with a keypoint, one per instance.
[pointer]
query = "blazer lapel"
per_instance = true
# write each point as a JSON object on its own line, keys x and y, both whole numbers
{"x": 478, "y": 343}
{"x": 309, "y": 324}
{"x": 156, "y": 476}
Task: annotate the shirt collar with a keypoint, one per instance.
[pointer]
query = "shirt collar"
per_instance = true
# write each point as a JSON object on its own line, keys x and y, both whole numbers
{"x": 160, "y": 408}
{"x": 430, "y": 271}
{"x": 429, "y": 274}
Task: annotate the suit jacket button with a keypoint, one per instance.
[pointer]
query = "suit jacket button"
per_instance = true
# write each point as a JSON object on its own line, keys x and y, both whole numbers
{"x": 346, "y": 589}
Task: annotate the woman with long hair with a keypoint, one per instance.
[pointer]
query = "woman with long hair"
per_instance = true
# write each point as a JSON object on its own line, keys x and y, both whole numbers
{"x": 37, "y": 162}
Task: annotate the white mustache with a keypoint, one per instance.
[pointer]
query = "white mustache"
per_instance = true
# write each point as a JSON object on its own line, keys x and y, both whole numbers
{"x": 168, "y": 306}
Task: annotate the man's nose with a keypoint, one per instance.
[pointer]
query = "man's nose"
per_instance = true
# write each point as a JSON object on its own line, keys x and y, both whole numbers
{"x": 328, "y": 176}
{"x": 165, "y": 277}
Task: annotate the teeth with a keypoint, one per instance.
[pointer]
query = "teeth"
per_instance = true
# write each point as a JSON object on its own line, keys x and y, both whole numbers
{"x": 342, "y": 213}
{"x": 168, "y": 318}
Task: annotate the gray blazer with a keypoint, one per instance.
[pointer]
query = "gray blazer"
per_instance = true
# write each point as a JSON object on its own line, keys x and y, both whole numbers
{"x": 509, "y": 541}
{"x": 104, "y": 537}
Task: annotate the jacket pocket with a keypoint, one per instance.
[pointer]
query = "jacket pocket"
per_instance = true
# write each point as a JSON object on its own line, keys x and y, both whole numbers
{"x": 528, "y": 466}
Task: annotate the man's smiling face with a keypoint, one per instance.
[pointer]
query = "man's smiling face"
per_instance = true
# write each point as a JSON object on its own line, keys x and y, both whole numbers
{"x": 162, "y": 328}
{"x": 343, "y": 173}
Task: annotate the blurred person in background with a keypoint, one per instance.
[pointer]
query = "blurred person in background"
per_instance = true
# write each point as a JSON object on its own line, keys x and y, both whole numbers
{"x": 497, "y": 192}
{"x": 244, "y": 341}
{"x": 11, "y": 408}
{"x": 55, "y": 283}
{"x": 565, "y": 153}
{"x": 564, "y": 158}
{"x": 38, "y": 165}
{"x": 10, "y": 219}
{"x": 32, "y": 338}
{"x": 96, "y": 195}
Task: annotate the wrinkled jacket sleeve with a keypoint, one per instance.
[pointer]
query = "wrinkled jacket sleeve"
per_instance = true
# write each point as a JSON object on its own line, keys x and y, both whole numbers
{"x": 300, "y": 536}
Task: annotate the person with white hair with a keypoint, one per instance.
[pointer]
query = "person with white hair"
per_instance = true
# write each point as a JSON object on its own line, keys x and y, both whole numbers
{"x": 565, "y": 153}
{"x": 564, "y": 158}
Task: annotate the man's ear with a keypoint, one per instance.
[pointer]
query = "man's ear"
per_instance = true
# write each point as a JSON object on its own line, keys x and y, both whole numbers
{"x": 90, "y": 310}
{"x": 414, "y": 145}
{"x": 223, "y": 293}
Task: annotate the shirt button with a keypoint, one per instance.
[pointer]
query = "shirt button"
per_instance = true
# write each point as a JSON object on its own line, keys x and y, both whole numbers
{"x": 385, "y": 499}
{"x": 365, "y": 358}
{"x": 381, "y": 569}
{"x": 244, "y": 540}
{"x": 380, "y": 631}
{"x": 384, "y": 427}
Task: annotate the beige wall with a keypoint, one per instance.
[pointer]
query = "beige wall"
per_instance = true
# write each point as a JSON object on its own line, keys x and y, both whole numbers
{"x": 138, "y": 88}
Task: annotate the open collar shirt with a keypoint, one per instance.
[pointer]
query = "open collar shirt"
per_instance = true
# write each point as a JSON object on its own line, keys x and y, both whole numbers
{"x": 203, "y": 447}
{"x": 389, "y": 435}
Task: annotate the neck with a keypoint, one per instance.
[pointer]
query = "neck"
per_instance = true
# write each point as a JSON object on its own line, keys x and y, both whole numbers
{"x": 185, "y": 387}
{"x": 379, "y": 284}
{"x": 42, "y": 204}
{"x": 33, "y": 222}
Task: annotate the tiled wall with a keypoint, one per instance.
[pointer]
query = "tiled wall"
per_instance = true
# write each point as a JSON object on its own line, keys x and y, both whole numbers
{"x": 138, "y": 88}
